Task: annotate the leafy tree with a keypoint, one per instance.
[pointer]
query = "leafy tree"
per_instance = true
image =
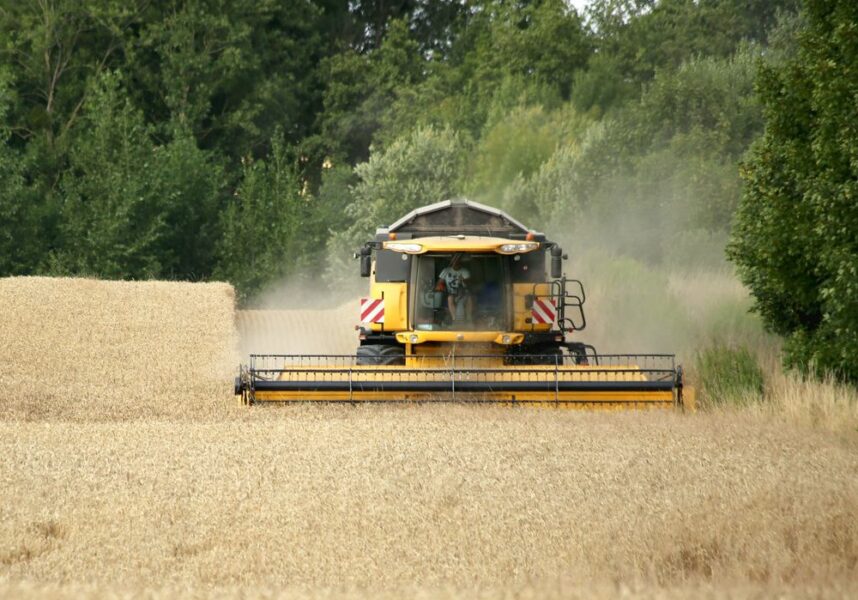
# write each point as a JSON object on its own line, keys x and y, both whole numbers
{"x": 602, "y": 85}
{"x": 21, "y": 238}
{"x": 229, "y": 71}
{"x": 423, "y": 167}
{"x": 112, "y": 220}
{"x": 795, "y": 240}
{"x": 636, "y": 38}
{"x": 504, "y": 55}
{"x": 133, "y": 208}
{"x": 545, "y": 41}
{"x": 515, "y": 146}
{"x": 327, "y": 209}
{"x": 191, "y": 184}
{"x": 55, "y": 49}
{"x": 262, "y": 223}
{"x": 361, "y": 87}
{"x": 674, "y": 152}
{"x": 550, "y": 196}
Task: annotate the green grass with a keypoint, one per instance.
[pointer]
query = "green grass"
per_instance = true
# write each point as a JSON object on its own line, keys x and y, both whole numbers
{"x": 728, "y": 375}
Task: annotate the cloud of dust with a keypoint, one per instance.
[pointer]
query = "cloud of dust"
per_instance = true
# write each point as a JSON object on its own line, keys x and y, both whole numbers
{"x": 302, "y": 315}
{"x": 653, "y": 285}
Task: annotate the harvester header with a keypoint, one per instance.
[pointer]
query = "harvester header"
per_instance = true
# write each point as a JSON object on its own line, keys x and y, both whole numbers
{"x": 467, "y": 304}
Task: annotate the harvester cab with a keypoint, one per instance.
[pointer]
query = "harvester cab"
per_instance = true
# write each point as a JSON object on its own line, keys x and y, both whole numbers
{"x": 467, "y": 304}
{"x": 469, "y": 294}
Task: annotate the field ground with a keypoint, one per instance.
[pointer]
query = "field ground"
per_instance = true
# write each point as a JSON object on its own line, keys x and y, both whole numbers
{"x": 178, "y": 492}
{"x": 446, "y": 497}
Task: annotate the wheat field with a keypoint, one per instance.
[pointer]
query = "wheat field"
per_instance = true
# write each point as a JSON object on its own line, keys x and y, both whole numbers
{"x": 116, "y": 481}
{"x": 87, "y": 350}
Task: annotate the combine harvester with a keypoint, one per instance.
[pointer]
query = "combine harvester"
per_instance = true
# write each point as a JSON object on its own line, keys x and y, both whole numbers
{"x": 461, "y": 308}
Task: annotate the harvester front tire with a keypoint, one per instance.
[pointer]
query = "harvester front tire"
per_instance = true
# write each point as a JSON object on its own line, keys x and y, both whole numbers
{"x": 380, "y": 354}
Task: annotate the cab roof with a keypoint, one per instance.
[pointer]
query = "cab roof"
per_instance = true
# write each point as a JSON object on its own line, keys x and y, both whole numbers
{"x": 456, "y": 217}
{"x": 459, "y": 243}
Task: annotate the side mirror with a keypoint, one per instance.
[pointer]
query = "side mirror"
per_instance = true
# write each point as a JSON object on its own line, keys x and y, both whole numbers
{"x": 365, "y": 262}
{"x": 556, "y": 262}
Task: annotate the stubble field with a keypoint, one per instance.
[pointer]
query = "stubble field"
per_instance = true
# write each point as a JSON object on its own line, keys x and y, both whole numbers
{"x": 128, "y": 469}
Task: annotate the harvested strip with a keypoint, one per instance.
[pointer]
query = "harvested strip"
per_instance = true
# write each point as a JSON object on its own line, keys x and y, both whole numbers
{"x": 299, "y": 331}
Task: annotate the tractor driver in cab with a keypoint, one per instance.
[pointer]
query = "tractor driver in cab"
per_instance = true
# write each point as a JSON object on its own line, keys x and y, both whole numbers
{"x": 454, "y": 281}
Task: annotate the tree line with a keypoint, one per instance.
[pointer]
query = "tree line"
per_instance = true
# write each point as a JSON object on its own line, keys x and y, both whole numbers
{"x": 256, "y": 140}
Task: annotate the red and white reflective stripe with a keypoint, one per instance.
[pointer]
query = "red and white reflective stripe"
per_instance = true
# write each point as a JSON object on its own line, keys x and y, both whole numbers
{"x": 371, "y": 310}
{"x": 543, "y": 311}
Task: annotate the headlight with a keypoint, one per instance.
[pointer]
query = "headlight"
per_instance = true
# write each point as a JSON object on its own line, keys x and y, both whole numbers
{"x": 408, "y": 247}
{"x": 516, "y": 248}
{"x": 414, "y": 338}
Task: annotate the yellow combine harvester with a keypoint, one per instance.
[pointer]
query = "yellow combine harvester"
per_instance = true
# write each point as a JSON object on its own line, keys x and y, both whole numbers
{"x": 461, "y": 308}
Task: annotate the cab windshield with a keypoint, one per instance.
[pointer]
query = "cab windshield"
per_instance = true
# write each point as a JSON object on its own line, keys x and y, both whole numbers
{"x": 460, "y": 291}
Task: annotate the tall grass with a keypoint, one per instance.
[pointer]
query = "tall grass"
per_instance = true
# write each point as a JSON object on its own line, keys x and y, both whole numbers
{"x": 728, "y": 375}
{"x": 704, "y": 317}
{"x": 806, "y": 401}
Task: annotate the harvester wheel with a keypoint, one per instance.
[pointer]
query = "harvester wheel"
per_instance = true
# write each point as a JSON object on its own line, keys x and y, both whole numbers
{"x": 380, "y": 354}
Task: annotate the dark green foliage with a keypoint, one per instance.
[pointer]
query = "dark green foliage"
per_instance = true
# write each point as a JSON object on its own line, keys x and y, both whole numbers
{"x": 643, "y": 36}
{"x": 728, "y": 375}
{"x": 667, "y": 163}
{"x": 543, "y": 41}
{"x": 56, "y": 50}
{"x": 137, "y": 138}
{"x": 361, "y": 87}
{"x": 261, "y": 224}
{"x": 112, "y": 213}
{"x": 421, "y": 168}
{"x": 796, "y": 234}
{"x": 21, "y": 235}
{"x": 133, "y": 208}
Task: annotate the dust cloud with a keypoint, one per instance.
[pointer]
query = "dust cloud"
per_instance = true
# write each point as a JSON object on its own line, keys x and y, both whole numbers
{"x": 654, "y": 285}
{"x": 302, "y": 315}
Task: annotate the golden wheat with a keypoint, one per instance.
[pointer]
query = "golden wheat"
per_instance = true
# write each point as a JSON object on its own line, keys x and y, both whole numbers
{"x": 790, "y": 398}
{"x": 380, "y": 498}
{"x": 85, "y": 349}
{"x": 154, "y": 490}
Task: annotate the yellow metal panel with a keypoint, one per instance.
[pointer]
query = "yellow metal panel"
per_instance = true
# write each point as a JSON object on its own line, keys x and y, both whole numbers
{"x": 509, "y": 372}
{"x": 568, "y": 400}
{"x": 521, "y": 314}
{"x": 466, "y": 243}
{"x": 458, "y": 336}
{"x": 395, "y": 305}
